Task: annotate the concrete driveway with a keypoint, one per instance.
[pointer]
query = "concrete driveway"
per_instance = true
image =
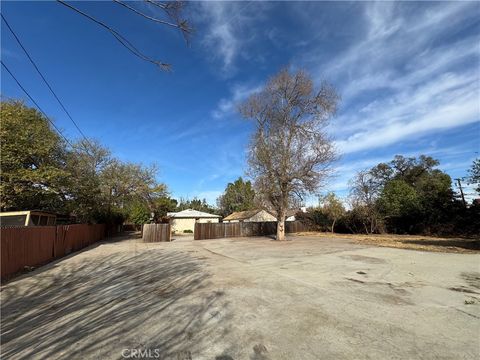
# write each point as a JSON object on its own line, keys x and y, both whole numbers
{"x": 254, "y": 298}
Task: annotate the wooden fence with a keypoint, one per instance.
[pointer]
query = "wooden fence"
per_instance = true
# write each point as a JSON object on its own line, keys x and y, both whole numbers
{"x": 225, "y": 230}
{"x": 37, "y": 245}
{"x": 156, "y": 232}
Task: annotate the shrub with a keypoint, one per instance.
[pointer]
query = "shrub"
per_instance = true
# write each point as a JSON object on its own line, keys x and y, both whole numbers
{"x": 188, "y": 231}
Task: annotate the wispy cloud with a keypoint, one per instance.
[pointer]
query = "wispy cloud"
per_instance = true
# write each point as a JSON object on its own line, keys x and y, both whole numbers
{"x": 227, "y": 106}
{"x": 402, "y": 80}
{"x": 210, "y": 196}
{"x": 229, "y": 30}
{"x": 446, "y": 102}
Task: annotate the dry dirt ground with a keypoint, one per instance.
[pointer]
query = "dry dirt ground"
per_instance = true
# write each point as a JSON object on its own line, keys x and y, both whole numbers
{"x": 414, "y": 242}
{"x": 309, "y": 298}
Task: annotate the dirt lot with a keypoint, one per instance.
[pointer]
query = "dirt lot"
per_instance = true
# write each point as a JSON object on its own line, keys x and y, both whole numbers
{"x": 413, "y": 242}
{"x": 310, "y": 298}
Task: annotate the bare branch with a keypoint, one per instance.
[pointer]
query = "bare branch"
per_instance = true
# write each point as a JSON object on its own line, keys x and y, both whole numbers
{"x": 290, "y": 153}
{"x": 120, "y": 38}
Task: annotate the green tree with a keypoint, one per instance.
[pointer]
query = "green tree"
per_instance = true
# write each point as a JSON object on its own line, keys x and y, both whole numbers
{"x": 85, "y": 163}
{"x": 123, "y": 183}
{"x": 138, "y": 213}
{"x": 163, "y": 205}
{"x": 400, "y": 206}
{"x": 238, "y": 196}
{"x": 473, "y": 177}
{"x": 196, "y": 204}
{"x": 39, "y": 171}
{"x": 33, "y": 160}
{"x": 437, "y": 199}
{"x": 413, "y": 195}
{"x": 399, "y": 199}
{"x": 402, "y": 168}
{"x": 333, "y": 208}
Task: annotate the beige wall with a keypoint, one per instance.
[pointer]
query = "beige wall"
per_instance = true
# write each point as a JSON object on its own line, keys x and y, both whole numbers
{"x": 181, "y": 224}
{"x": 261, "y": 216}
{"x": 207, "y": 220}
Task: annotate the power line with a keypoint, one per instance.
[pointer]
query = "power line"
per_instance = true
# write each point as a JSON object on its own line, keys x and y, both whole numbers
{"x": 35, "y": 103}
{"x": 43, "y": 78}
{"x": 119, "y": 37}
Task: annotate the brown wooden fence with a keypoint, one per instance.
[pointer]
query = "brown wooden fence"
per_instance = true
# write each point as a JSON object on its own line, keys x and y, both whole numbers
{"x": 225, "y": 230}
{"x": 156, "y": 232}
{"x": 37, "y": 245}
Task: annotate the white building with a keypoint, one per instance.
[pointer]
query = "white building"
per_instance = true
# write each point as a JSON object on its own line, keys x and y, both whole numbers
{"x": 185, "y": 220}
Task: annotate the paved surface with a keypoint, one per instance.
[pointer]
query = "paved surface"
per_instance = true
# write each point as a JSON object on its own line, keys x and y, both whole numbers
{"x": 246, "y": 299}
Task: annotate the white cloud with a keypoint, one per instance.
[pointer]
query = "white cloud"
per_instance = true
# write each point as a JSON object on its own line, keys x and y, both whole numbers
{"x": 210, "y": 196}
{"x": 229, "y": 29}
{"x": 227, "y": 106}
{"x": 401, "y": 80}
{"x": 446, "y": 102}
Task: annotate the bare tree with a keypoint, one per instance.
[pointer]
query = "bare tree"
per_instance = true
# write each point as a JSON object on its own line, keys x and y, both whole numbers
{"x": 364, "y": 191}
{"x": 290, "y": 153}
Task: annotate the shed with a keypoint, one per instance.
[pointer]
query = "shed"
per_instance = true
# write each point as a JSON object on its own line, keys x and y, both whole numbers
{"x": 258, "y": 215}
{"x": 184, "y": 221}
{"x": 27, "y": 218}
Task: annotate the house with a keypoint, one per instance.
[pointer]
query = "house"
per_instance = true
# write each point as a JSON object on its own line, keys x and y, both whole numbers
{"x": 184, "y": 221}
{"x": 258, "y": 215}
{"x": 27, "y": 218}
{"x": 291, "y": 214}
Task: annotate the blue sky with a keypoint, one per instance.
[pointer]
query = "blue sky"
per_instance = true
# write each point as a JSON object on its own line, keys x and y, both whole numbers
{"x": 408, "y": 75}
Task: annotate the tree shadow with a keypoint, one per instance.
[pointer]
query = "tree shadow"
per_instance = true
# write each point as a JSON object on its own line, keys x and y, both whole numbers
{"x": 152, "y": 300}
{"x": 459, "y": 243}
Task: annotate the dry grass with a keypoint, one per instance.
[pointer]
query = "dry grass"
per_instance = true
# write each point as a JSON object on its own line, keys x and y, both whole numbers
{"x": 414, "y": 242}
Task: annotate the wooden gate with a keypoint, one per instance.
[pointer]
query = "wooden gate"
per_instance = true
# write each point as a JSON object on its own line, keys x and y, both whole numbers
{"x": 156, "y": 232}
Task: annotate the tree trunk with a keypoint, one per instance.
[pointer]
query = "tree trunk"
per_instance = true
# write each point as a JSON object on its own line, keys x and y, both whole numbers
{"x": 281, "y": 225}
{"x": 333, "y": 225}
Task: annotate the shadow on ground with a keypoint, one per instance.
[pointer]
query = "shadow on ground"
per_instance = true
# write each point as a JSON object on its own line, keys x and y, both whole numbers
{"x": 459, "y": 243}
{"x": 97, "y": 308}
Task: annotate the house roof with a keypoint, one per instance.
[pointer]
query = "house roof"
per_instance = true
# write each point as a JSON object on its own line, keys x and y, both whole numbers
{"x": 292, "y": 212}
{"x": 189, "y": 213}
{"x": 242, "y": 215}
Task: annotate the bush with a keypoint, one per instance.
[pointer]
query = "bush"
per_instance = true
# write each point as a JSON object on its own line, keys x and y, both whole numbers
{"x": 314, "y": 220}
{"x": 188, "y": 231}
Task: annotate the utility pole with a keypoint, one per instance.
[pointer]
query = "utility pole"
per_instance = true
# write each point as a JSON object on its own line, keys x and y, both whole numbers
{"x": 459, "y": 182}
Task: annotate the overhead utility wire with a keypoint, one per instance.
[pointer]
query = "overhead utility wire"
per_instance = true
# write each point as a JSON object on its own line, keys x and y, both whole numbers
{"x": 120, "y": 38}
{"x": 44, "y": 79}
{"x": 35, "y": 103}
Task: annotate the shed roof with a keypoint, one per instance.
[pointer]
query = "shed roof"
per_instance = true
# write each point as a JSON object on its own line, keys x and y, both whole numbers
{"x": 292, "y": 212}
{"x": 25, "y": 212}
{"x": 242, "y": 215}
{"x": 189, "y": 213}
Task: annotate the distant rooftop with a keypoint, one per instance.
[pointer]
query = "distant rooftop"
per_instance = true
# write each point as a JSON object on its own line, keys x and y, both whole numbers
{"x": 242, "y": 215}
{"x": 189, "y": 213}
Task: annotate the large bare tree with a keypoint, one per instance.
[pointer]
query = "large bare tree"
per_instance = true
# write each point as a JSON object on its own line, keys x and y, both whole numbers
{"x": 290, "y": 152}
